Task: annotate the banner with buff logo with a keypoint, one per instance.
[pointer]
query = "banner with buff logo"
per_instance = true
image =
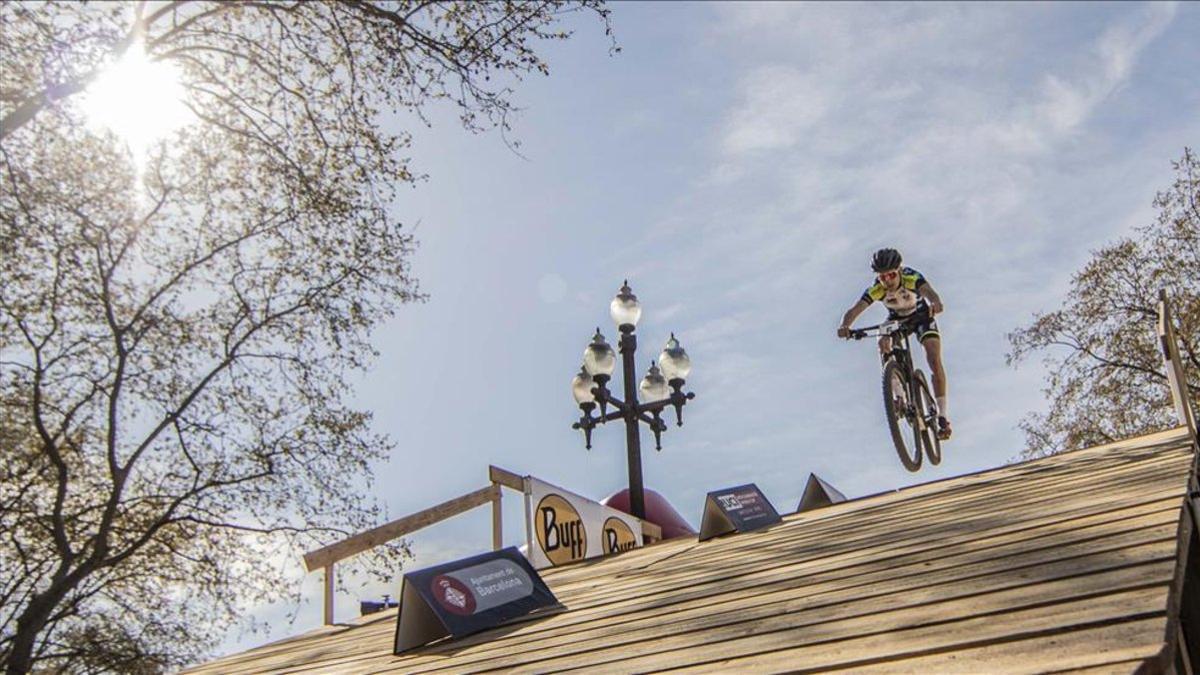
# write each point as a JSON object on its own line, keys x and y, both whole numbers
{"x": 565, "y": 527}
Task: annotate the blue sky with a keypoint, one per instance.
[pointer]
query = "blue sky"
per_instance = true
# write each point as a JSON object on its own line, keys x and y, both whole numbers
{"x": 738, "y": 163}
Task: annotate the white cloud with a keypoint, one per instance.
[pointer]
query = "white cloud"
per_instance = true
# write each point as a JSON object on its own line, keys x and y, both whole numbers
{"x": 779, "y": 105}
{"x": 862, "y": 82}
{"x": 669, "y": 312}
{"x": 889, "y": 124}
{"x": 1121, "y": 44}
{"x": 929, "y": 127}
{"x": 1068, "y": 101}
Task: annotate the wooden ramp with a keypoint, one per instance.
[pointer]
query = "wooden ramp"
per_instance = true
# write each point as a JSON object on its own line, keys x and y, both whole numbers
{"x": 1059, "y": 564}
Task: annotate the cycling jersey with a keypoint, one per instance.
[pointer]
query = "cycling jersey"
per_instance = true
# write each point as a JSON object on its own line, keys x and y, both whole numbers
{"x": 903, "y": 300}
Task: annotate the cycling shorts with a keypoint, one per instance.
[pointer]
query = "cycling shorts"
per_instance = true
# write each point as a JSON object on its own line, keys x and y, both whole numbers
{"x": 924, "y": 329}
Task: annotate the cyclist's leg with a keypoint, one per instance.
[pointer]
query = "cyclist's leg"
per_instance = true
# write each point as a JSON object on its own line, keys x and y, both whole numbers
{"x": 885, "y": 341}
{"x": 933, "y": 355}
{"x": 932, "y": 343}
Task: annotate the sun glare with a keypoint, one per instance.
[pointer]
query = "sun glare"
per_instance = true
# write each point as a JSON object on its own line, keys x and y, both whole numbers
{"x": 139, "y": 100}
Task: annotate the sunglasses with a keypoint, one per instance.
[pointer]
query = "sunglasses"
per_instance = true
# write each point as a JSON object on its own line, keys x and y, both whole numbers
{"x": 888, "y": 276}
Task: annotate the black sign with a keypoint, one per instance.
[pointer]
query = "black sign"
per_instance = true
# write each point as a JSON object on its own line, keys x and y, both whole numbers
{"x": 739, "y": 509}
{"x": 818, "y": 493}
{"x": 469, "y": 595}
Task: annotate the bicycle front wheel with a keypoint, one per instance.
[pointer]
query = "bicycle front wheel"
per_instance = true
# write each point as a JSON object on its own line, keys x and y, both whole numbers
{"x": 901, "y": 415}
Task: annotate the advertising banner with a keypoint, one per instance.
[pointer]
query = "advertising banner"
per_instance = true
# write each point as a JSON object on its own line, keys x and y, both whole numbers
{"x": 565, "y": 527}
{"x": 469, "y": 595}
{"x": 738, "y": 509}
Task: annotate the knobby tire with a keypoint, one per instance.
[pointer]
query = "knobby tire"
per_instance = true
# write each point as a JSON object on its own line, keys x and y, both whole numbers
{"x": 892, "y": 372}
{"x": 926, "y": 409}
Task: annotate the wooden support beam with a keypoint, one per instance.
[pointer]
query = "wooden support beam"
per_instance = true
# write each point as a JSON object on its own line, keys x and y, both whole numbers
{"x": 650, "y": 532}
{"x": 497, "y": 521}
{"x": 363, "y": 541}
{"x": 506, "y": 478}
{"x": 329, "y": 594}
{"x": 1176, "y": 377}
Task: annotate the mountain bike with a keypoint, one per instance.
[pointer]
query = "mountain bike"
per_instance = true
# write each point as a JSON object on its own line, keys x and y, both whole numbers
{"x": 906, "y": 395}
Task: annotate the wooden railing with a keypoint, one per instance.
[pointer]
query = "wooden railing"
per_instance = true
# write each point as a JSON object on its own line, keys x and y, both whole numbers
{"x": 1183, "y": 621}
{"x": 326, "y": 557}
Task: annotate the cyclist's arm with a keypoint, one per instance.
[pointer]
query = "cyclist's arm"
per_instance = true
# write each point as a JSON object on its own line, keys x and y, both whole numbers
{"x": 852, "y": 313}
{"x": 926, "y": 291}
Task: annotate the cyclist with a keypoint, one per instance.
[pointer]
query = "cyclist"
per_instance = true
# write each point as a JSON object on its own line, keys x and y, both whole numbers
{"x": 904, "y": 291}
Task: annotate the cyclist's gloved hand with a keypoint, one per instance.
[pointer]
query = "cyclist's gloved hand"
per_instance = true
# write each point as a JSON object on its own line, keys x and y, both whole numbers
{"x": 843, "y": 331}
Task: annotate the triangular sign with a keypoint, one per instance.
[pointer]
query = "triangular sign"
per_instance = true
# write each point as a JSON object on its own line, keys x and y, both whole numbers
{"x": 818, "y": 493}
{"x": 738, "y": 509}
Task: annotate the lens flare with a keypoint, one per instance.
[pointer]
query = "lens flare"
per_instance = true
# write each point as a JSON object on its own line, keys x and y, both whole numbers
{"x": 138, "y": 99}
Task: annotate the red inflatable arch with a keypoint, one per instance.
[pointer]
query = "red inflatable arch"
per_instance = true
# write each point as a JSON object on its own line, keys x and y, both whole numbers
{"x": 658, "y": 511}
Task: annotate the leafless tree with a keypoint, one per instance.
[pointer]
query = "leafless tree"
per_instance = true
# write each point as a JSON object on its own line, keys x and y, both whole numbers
{"x": 176, "y": 335}
{"x": 1107, "y": 380}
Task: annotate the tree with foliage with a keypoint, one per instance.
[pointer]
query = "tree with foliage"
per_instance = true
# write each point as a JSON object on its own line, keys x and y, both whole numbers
{"x": 176, "y": 330}
{"x": 1107, "y": 380}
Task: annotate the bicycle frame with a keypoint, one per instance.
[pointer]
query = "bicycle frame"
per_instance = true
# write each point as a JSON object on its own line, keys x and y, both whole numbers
{"x": 897, "y": 330}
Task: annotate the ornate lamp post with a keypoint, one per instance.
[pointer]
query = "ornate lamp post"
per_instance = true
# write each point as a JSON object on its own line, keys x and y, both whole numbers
{"x": 662, "y": 386}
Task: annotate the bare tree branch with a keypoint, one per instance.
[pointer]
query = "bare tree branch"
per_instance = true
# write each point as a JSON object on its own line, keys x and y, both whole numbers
{"x": 1107, "y": 378}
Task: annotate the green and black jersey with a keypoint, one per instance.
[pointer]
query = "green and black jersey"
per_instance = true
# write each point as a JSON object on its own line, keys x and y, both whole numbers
{"x": 902, "y": 301}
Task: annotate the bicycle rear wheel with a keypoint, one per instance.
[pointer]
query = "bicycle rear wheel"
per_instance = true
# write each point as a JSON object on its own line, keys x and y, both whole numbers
{"x": 927, "y": 410}
{"x": 900, "y": 413}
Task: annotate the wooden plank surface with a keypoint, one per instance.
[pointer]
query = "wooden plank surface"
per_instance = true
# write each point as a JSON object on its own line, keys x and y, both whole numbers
{"x": 845, "y": 618}
{"x": 888, "y": 543}
{"x": 1126, "y": 667}
{"x": 870, "y": 539}
{"x": 1164, "y": 536}
{"x": 776, "y": 653}
{"x": 865, "y": 573}
{"x": 953, "y": 581}
{"x": 1115, "y": 648}
{"x": 701, "y": 623}
{"x": 978, "y": 502}
{"x": 1026, "y": 564}
{"x": 869, "y": 572}
{"x": 896, "y": 517}
{"x": 660, "y": 593}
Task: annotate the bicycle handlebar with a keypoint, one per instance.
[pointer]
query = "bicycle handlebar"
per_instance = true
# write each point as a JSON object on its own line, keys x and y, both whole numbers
{"x": 889, "y": 327}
